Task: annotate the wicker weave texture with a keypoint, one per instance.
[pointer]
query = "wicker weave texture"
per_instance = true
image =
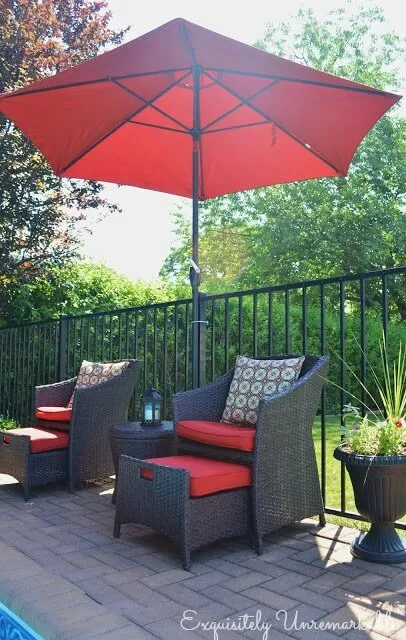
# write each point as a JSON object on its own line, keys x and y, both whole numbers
{"x": 163, "y": 504}
{"x": 95, "y": 409}
{"x": 286, "y": 485}
{"x": 54, "y": 395}
{"x": 31, "y": 469}
{"x": 210, "y": 451}
{"x": 153, "y": 443}
{"x": 13, "y": 456}
{"x": 205, "y": 403}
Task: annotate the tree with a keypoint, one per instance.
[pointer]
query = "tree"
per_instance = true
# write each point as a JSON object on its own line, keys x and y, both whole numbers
{"x": 77, "y": 288}
{"x": 325, "y": 227}
{"x": 223, "y": 256}
{"x": 39, "y": 212}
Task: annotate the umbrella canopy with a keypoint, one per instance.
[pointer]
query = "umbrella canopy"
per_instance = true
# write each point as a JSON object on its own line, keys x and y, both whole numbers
{"x": 128, "y": 116}
{"x": 187, "y": 111}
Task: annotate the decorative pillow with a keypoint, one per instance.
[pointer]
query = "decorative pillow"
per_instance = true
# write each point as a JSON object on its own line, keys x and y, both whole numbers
{"x": 92, "y": 373}
{"x": 255, "y": 379}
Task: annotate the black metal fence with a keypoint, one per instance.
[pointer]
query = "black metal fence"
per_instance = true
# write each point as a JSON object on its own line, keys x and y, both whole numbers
{"x": 29, "y": 356}
{"x": 342, "y": 316}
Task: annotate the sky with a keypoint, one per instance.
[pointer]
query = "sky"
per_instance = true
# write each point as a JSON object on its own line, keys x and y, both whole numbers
{"x": 136, "y": 241}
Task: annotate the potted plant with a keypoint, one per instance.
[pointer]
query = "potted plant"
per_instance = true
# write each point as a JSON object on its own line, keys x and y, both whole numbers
{"x": 374, "y": 453}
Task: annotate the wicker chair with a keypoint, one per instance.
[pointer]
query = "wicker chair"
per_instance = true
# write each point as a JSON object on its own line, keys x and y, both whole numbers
{"x": 95, "y": 409}
{"x": 285, "y": 480}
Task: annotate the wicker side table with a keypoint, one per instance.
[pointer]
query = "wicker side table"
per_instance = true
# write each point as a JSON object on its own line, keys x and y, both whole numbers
{"x": 132, "y": 439}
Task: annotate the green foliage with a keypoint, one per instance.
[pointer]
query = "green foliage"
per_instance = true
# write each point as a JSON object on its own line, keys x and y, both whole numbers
{"x": 384, "y": 434}
{"x": 392, "y": 439}
{"x": 77, "y": 288}
{"x": 7, "y": 423}
{"x": 376, "y": 438}
{"x": 326, "y": 227}
{"x": 350, "y": 42}
{"x": 223, "y": 253}
{"x": 39, "y": 212}
{"x": 392, "y": 389}
{"x": 363, "y": 438}
{"x": 271, "y": 338}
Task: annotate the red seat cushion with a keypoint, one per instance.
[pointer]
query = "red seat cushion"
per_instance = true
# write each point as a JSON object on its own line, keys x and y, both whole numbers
{"x": 41, "y": 439}
{"x": 55, "y": 414}
{"x": 206, "y": 476}
{"x": 220, "y": 434}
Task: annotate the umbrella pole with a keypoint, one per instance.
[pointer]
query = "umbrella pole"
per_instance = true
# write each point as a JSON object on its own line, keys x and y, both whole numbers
{"x": 195, "y": 270}
{"x": 195, "y": 279}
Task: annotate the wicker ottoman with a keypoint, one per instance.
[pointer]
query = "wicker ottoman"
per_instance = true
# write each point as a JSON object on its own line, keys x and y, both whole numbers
{"x": 30, "y": 469}
{"x": 132, "y": 439}
{"x": 158, "y": 496}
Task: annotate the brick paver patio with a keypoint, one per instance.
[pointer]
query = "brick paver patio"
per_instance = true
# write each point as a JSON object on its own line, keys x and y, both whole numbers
{"x": 62, "y": 571}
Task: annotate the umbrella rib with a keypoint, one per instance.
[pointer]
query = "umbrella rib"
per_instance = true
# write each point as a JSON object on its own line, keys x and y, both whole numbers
{"x": 150, "y": 103}
{"x": 243, "y": 102}
{"x": 120, "y": 124}
{"x": 69, "y": 85}
{"x": 281, "y": 127}
{"x": 201, "y": 177}
{"x": 157, "y": 126}
{"x": 237, "y": 126}
{"x": 198, "y": 131}
{"x": 188, "y": 44}
{"x": 326, "y": 85}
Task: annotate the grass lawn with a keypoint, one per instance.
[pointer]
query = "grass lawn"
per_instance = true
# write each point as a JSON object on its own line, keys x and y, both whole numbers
{"x": 333, "y": 474}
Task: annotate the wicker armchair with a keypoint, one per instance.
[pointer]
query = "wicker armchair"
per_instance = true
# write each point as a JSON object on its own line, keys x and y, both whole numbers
{"x": 285, "y": 484}
{"x": 95, "y": 409}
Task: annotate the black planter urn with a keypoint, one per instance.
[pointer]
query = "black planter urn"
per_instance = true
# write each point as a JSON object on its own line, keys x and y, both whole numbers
{"x": 379, "y": 484}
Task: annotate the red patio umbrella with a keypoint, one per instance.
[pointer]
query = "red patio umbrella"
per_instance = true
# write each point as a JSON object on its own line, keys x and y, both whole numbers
{"x": 190, "y": 112}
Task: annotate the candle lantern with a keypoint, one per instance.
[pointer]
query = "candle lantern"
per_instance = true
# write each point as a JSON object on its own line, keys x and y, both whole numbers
{"x": 151, "y": 408}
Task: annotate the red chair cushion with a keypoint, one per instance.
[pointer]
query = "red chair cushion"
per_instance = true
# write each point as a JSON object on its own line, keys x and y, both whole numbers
{"x": 55, "y": 414}
{"x": 220, "y": 434}
{"x": 206, "y": 476}
{"x": 41, "y": 439}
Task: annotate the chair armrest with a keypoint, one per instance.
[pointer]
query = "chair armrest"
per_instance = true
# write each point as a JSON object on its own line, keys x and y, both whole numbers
{"x": 104, "y": 402}
{"x": 94, "y": 411}
{"x": 285, "y": 481}
{"x": 54, "y": 395}
{"x": 285, "y": 420}
{"x": 204, "y": 403}
{"x": 98, "y": 393}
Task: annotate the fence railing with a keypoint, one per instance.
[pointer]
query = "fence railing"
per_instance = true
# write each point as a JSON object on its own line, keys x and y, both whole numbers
{"x": 29, "y": 356}
{"x": 344, "y": 317}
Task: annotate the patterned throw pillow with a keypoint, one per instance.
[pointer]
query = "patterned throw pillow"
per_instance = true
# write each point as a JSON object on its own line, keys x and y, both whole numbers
{"x": 255, "y": 379}
{"x": 92, "y": 373}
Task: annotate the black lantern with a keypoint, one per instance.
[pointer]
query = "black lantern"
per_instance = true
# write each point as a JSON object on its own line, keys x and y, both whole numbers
{"x": 151, "y": 408}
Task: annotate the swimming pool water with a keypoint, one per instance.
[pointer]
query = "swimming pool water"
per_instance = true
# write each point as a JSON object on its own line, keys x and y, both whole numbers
{"x": 13, "y": 628}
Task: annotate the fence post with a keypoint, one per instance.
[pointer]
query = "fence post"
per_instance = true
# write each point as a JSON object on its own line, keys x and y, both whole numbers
{"x": 63, "y": 347}
{"x": 202, "y": 338}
